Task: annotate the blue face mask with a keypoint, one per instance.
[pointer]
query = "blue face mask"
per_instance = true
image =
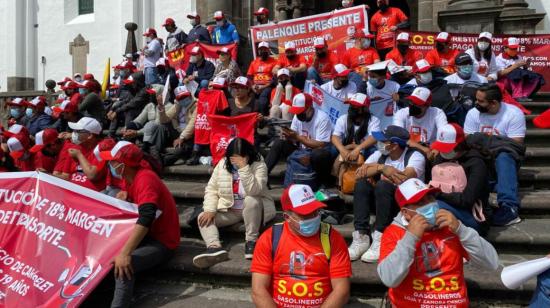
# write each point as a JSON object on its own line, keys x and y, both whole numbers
{"x": 465, "y": 70}
{"x": 114, "y": 172}
{"x": 429, "y": 211}
{"x": 16, "y": 113}
{"x": 29, "y": 112}
{"x": 184, "y": 103}
{"x": 309, "y": 227}
{"x": 373, "y": 82}
{"x": 82, "y": 91}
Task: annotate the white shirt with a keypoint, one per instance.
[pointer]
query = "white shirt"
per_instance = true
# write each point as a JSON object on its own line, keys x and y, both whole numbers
{"x": 416, "y": 161}
{"x": 340, "y": 128}
{"x": 423, "y": 129}
{"x": 238, "y": 196}
{"x": 319, "y": 128}
{"x": 503, "y": 63}
{"x": 341, "y": 94}
{"x": 509, "y": 122}
{"x": 455, "y": 79}
{"x": 382, "y": 105}
{"x": 154, "y": 50}
{"x": 482, "y": 67}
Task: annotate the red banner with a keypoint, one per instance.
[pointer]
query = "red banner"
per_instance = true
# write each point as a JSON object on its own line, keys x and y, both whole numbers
{"x": 57, "y": 239}
{"x": 535, "y": 48}
{"x": 332, "y": 26}
{"x": 209, "y": 102}
{"x": 179, "y": 58}
{"x": 224, "y": 129}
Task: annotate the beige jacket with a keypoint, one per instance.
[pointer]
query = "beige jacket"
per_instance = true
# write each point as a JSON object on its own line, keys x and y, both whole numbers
{"x": 218, "y": 195}
{"x": 149, "y": 113}
{"x": 170, "y": 114}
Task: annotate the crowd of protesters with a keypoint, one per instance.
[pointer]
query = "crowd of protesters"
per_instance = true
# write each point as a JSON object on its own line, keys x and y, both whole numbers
{"x": 414, "y": 139}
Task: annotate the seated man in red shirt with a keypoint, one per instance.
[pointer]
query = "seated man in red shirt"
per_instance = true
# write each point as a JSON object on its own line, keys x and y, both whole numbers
{"x": 322, "y": 63}
{"x": 384, "y": 23}
{"x": 422, "y": 251}
{"x": 301, "y": 256}
{"x": 46, "y": 150}
{"x": 295, "y": 63}
{"x": 18, "y": 145}
{"x": 154, "y": 239}
{"x": 402, "y": 54}
{"x": 359, "y": 57}
{"x": 260, "y": 72}
{"x": 442, "y": 55}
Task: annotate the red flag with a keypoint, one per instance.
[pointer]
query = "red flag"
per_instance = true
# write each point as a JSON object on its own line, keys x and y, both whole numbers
{"x": 209, "y": 102}
{"x": 179, "y": 58}
{"x": 224, "y": 129}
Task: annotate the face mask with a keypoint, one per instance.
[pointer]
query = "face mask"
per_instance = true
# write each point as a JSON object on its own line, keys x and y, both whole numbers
{"x": 465, "y": 71}
{"x": 302, "y": 117}
{"x": 82, "y": 91}
{"x": 425, "y": 78}
{"x": 344, "y": 83}
{"x": 309, "y": 227}
{"x": 75, "y": 139}
{"x": 321, "y": 54}
{"x": 448, "y": 156}
{"x": 219, "y": 23}
{"x": 483, "y": 45}
{"x": 193, "y": 22}
{"x": 259, "y": 19}
{"x": 429, "y": 211}
{"x": 414, "y": 111}
{"x": 440, "y": 47}
{"x": 29, "y": 112}
{"x": 235, "y": 167}
{"x": 383, "y": 7}
{"x": 148, "y": 39}
{"x": 283, "y": 82}
{"x": 264, "y": 55}
{"x": 381, "y": 147}
{"x": 290, "y": 57}
{"x": 184, "y": 103}
{"x": 373, "y": 82}
{"x": 366, "y": 43}
{"x": 16, "y": 113}
{"x": 402, "y": 48}
{"x": 114, "y": 172}
{"x": 481, "y": 109}
{"x": 193, "y": 59}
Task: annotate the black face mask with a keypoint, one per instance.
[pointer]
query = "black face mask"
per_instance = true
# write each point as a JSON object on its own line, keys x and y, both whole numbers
{"x": 414, "y": 110}
{"x": 481, "y": 108}
{"x": 264, "y": 55}
{"x": 344, "y": 83}
{"x": 357, "y": 115}
{"x": 402, "y": 48}
{"x": 383, "y": 7}
{"x": 322, "y": 54}
{"x": 303, "y": 117}
{"x": 259, "y": 19}
{"x": 440, "y": 47}
{"x": 290, "y": 57}
{"x": 283, "y": 82}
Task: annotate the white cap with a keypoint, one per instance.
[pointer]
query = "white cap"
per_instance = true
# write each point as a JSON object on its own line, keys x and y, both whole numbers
{"x": 218, "y": 15}
{"x": 283, "y": 71}
{"x": 90, "y": 125}
{"x": 192, "y": 15}
{"x": 219, "y": 82}
{"x": 38, "y": 100}
{"x": 14, "y": 145}
{"x": 181, "y": 91}
{"x": 195, "y": 50}
{"x": 511, "y": 42}
{"x": 15, "y": 129}
{"x": 263, "y": 44}
{"x": 17, "y": 101}
{"x": 359, "y": 100}
{"x": 411, "y": 191}
{"x": 341, "y": 70}
{"x": 422, "y": 66}
{"x": 403, "y": 36}
{"x": 290, "y": 45}
{"x": 487, "y": 35}
{"x": 241, "y": 80}
{"x": 442, "y": 37}
{"x": 379, "y": 65}
{"x": 319, "y": 42}
{"x": 421, "y": 96}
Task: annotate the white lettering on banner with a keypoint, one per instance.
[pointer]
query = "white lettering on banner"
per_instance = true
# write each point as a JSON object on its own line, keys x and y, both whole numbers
{"x": 89, "y": 223}
{"x": 201, "y": 122}
{"x": 24, "y": 197}
{"x": 333, "y": 22}
{"x": 26, "y": 271}
{"x": 44, "y": 232}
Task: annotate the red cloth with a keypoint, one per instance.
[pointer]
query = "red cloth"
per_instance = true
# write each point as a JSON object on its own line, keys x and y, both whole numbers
{"x": 77, "y": 176}
{"x": 209, "y": 102}
{"x": 296, "y": 62}
{"x": 444, "y": 60}
{"x": 25, "y": 165}
{"x": 437, "y": 270}
{"x": 261, "y": 72}
{"x": 356, "y": 59}
{"x": 301, "y": 272}
{"x": 45, "y": 162}
{"x": 148, "y": 188}
{"x": 76, "y": 98}
{"x": 64, "y": 155}
{"x": 225, "y": 129}
{"x": 381, "y": 24}
{"x": 410, "y": 58}
{"x": 507, "y": 98}
{"x": 542, "y": 120}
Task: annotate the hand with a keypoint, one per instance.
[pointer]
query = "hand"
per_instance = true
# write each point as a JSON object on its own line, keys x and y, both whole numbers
{"x": 393, "y": 28}
{"x": 129, "y": 134}
{"x": 395, "y": 176}
{"x": 239, "y": 161}
{"x": 206, "y": 219}
{"x": 395, "y": 97}
{"x": 123, "y": 267}
{"x": 361, "y": 172}
{"x": 432, "y": 154}
{"x": 521, "y": 63}
{"x": 444, "y": 218}
{"x": 289, "y": 133}
{"x": 64, "y": 135}
{"x": 74, "y": 152}
{"x": 259, "y": 117}
{"x": 354, "y": 155}
{"x": 418, "y": 225}
{"x": 111, "y": 115}
{"x": 178, "y": 142}
{"x": 122, "y": 195}
{"x": 345, "y": 154}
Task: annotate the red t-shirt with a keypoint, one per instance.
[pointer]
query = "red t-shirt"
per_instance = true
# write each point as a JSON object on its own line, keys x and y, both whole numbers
{"x": 76, "y": 98}
{"x": 148, "y": 188}
{"x": 25, "y": 165}
{"x": 357, "y": 59}
{"x": 381, "y": 24}
{"x": 295, "y": 62}
{"x": 284, "y": 100}
{"x": 262, "y": 71}
{"x": 410, "y": 58}
{"x": 444, "y": 60}
{"x": 77, "y": 176}
{"x": 301, "y": 273}
{"x": 63, "y": 156}
{"x": 436, "y": 277}
{"x": 324, "y": 66}
{"x": 44, "y": 162}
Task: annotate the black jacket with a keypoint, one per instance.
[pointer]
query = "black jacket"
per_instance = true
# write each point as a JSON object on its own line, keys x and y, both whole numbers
{"x": 441, "y": 96}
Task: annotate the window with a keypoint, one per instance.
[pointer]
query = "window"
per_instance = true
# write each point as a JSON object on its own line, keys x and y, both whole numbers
{"x": 85, "y": 7}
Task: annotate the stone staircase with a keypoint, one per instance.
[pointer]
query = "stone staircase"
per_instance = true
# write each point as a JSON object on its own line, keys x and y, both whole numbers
{"x": 528, "y": 240}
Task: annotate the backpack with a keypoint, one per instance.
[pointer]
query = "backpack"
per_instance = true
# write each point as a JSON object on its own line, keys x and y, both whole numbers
{"x": 277, "y": 231}
{"x": 464, "y": 102}
{"x": 296, "y": 173}
{"x": 449, "y": 177}
{"x": 345, "y": 173}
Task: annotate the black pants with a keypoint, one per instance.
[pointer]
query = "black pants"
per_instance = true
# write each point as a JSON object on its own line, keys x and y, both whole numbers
{"x": 263, "y": 99}
{"x": 382, "y": 195}
{"x": 183, "y": 152}
{"x": 162, "y": 136}
{"x": 383, "y": 52}
{"x": 322, "y": 161}
{"x": 279, "y": 149}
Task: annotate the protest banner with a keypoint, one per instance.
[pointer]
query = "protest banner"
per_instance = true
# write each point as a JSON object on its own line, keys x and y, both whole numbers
{"x": 57, "y": 239}
{"x": 209, "y": 102}
{"x": 225, "y": 129}
{"x": 179, "y": 58}
{"x": 332, "y": 26}
{"x": 534, "y": 48}
{"x": 331, "y": 105}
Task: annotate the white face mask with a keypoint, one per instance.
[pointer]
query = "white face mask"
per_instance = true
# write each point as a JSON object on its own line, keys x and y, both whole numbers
{"x": 483, "y": 45}
{"x": 381, "y": 147}
{"x": 425, "y": 78}
{"x": 193, "y": 22}
{"x": 148, "y": 39}
{"x": 366, "y": 43}
{"x": 74, "y": 138}
{"x": 193, "y": 59}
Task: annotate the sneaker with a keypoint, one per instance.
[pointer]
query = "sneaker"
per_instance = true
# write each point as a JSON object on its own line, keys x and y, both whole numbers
{"x": 505, "y": 215}
{"x": 249, "y": 249}
{"x": 359, "y": 246}
{"x": 193, "y": 160}
{"x": 372, "y": 255}
{"x": 211, "y": 257}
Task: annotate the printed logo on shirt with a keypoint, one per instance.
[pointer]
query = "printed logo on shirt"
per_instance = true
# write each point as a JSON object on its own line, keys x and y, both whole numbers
{"x": 305, "y": 133}
{"x": 418, "y": 134}
{"x": 489, "y": 130}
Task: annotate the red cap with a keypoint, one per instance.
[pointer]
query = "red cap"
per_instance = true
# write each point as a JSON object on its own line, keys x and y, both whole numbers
{"x": 222, "y": 50}
{"x": 124, "y": 152}
{"x": 70, "y": 85}
{"x": 106, "y": 144}
{"x": 64, "y": 81}
{"x": 219, "y": 83}
{"x": 218, "y": 15}
{"x": 17, "y": 146}
{"x": 511, "y": 42}
{"x": 421, "y": 96}
{"x": 16, "y": 130}
{"x": 340, "y": 70}
{"x": 149, "y": 32}
{"x": 241, "y": 82}
{"x": 262, "y": 11}
{"x": 43, "y": 138}
{"x": 86, "y": 84}
{"x": 18, "y": 102}
{"x": 300, "y": 103}
{"x": 363, "y": 33}
{"x": 359, "y": 100}
{"x": 151, "y": 91}
{"x": 300, "y": 199}
{"x": 128, "y": 80}
{"x": 124, "y": 65}
{"x": 542, "y": 120}
{"x": 195, "y": 51}
{"x": 421, "y": 66}
{"x": 411, "y": 191}
{"x": 168, "y": 22}
{"x": 443, "y": 37}
{"x": 181, "y": 92}
{"x": 88, "y": 76}
{"x": 37, "y": 101}
{"x": 448, "y": 137}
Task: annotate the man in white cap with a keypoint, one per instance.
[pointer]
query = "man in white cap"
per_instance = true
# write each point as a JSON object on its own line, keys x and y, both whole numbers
{"x": 282, "y": 95}
{"x": 359, "y": 56}
{"x": 224, "y": 32}
{"x": 262, "y": 16}
{"x": 35, "y": 117}
{"x": 226, "y": 67}
{"x": 422, "y": 251}
{"x": 321, "y": 66}
{"x": 260, "y": 72}
{"x": 402, "y": 54}
{"x": 295, "y": 63}
{"x": 442, "y": 55}
{"x": 340, "y": 87}
{"x": 382, "y": 93}
{"x": 299, "y": 255}
{"x": 198, "y": 33}
{"x": 17, "y": 109}
{"x": 200, "y": 70}
{"x": 152, "y": 52}
{"x": 176, "y": 36}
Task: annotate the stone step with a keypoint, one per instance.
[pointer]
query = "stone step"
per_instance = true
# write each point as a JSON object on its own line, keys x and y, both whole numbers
{"x": 537, "y": 137}
{"x": 537, "y": 107}
{"x": 536, "y": 156}
{"x": 365, "y": 279}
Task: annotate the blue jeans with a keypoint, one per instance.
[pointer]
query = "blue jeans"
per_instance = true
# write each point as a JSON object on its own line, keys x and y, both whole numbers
{"x": 359, "y": 82}
{"x": 507, "y": 180}
{"x": 312, "y": 74}
{"x": 541, "y": 297}
{"x": 151, "y": 75}
{"x": 463, "y": 215}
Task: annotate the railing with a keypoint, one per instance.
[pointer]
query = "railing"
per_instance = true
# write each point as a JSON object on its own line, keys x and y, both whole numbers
{"x": 27, "y": 95}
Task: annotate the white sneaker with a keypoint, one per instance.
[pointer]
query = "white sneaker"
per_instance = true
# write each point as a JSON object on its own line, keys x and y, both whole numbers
{"x": 372, "y": 255}
{"x": 359, "y": 245}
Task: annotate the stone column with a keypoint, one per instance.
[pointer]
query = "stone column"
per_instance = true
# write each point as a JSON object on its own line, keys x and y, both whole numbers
{"x": 131, "y": 45}
{"x": 425, "y": 15}
{"x": 79, "y": 49}
{"x": 470, "y": 16}
{"x": 517, "y": 18}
